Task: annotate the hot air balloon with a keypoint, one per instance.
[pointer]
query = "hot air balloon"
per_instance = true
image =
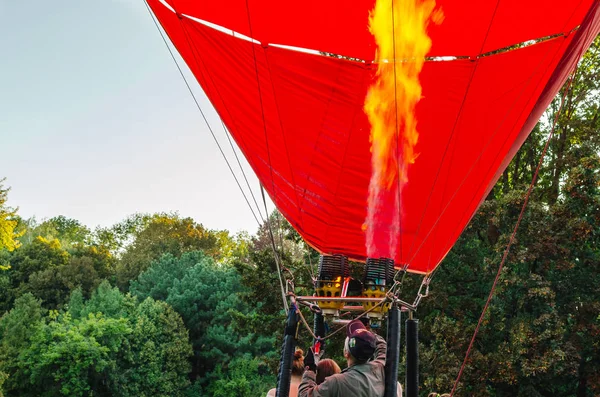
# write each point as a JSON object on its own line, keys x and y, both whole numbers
{"x": 291, "y": 80}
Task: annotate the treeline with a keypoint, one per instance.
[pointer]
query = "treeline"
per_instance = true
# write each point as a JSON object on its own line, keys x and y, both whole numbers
{"x": 152, "y": 306}
{"x": 158, "y": 305}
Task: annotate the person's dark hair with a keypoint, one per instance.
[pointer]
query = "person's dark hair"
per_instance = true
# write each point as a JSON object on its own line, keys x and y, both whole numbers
{"x": 326, "y": 368}
{"x": 298, "y": 364}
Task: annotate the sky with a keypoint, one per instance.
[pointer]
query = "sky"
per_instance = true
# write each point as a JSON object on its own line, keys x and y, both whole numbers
{"x": 96, "y": 123}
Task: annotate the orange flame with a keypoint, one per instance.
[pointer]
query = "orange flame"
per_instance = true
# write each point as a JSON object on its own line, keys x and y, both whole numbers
{"x": 400, "y": 31}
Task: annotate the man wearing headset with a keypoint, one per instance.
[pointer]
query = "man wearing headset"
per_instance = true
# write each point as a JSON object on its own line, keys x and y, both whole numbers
{"x": 365, "y": 374}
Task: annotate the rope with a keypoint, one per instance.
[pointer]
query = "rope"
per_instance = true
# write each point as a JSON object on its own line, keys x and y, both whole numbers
{"x": 281, "y": 247}
{"x": 381, "y": 302}
{"x": 262, "y": 110}
{"x": 391, "y": 292}
{"x": 260, "y": 97}
{"x": 200, "y": 108}
{"x": 512, "y": 237}
{"x": 310, "y": 265}
{"x": 228, "y": 135}
{"x": 274, "y": 248}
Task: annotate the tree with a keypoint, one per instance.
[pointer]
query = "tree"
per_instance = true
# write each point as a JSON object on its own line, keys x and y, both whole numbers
{"x": 118, "y": 236}
{"x": 99, "y": 257}
{"x": 6, "y": 293}
{"x": 156, "y": 281}
{"x": 201, "y": 292}
{"x": 261, "y": 292}
{"x": 107, "y": 300}
{"x": 50, "y": 273}
{"x": 54, "y": 285}
{"x": 16, "y": 328}
{"x": 73, "y": 358}
{"x": 40, "y": 260}
{"x": 525, "y": 346}
{"x": 207, "y": 296}
{"x": 3, "y": 378}
{"x": 69, "y": 232}
{"x": 244, "y": 377}
{"x": 162, "y": 234}
{"x": 107, "y": 345}
{"x": 155, "y": 361}
{"x": 577, "y": 271}
{"x": 39, "y": 255}
{"x": 8, "y": 223}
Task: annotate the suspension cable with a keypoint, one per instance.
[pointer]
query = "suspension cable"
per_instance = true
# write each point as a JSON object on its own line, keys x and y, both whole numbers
{"x": 228, "y": 134}
{"x": 274, "y": 248}
{"x": 310, "y": 265}
{"x": 262, "y": 110}
{"x": 307, "y": 326}
{"x": 201, "y": 111}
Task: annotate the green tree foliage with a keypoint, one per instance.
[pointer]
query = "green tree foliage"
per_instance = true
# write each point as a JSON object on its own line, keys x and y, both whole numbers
{"x": 258, "y": 272}
{"x": 118, "y": 236}
{"x": 41, "y": 254}
{"x": 106, "y": 299}
{"x": 44, "y": 268}
{"x": 244, "y": 377}
{"x": 35, "y": 258}
{"x": 3, "y": 378}
{"x": 98, "y": 257}
{"x": 16, "y": 329}
{"x": 207, "y": 296}
{"x": 162, "y": 275}
{"x": 73, "y": 358}
{"x": 69, "y": 232}
{"x": 155, "y": 359}
{"x": 6, "y": 293}
{"x": 108, "y": 345}
{"x": 537, "y": 338}
{"x": 8, "y": 223}
{"x": 160, "y": 235}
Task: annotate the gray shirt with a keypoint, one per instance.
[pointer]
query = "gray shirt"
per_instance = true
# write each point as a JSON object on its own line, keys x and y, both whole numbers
{"x": 360, "y": 380}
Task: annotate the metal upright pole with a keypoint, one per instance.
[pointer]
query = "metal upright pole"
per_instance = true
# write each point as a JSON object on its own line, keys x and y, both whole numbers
{"x": 284, "y": 377}
{"x": 319, "y": 328}
{"x": 412, "y": 357}
{"x": 392, "y": 357}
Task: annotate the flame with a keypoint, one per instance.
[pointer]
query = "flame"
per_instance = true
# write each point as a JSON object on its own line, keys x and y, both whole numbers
{"x": 400, "y": 31}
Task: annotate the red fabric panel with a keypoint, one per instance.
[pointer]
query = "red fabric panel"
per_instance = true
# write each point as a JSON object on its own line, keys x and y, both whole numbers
{"x": 590, "y": 28}
{"x": 517, "y": 21}
{"x": 298, "y": 119}
{"x": 494, "y": 111}
{"x": 334, "y": 26}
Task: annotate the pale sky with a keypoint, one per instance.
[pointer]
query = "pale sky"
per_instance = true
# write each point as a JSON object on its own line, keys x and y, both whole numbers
{"x": 96, "y": 123}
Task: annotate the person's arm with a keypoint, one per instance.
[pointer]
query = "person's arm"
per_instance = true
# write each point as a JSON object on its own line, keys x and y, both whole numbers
{"x": 380, "y": 350}
{"x": 309, "y": 388}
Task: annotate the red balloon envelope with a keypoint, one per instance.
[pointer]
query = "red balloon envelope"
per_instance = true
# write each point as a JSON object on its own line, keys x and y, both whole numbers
{"x": 298, "y": 116}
